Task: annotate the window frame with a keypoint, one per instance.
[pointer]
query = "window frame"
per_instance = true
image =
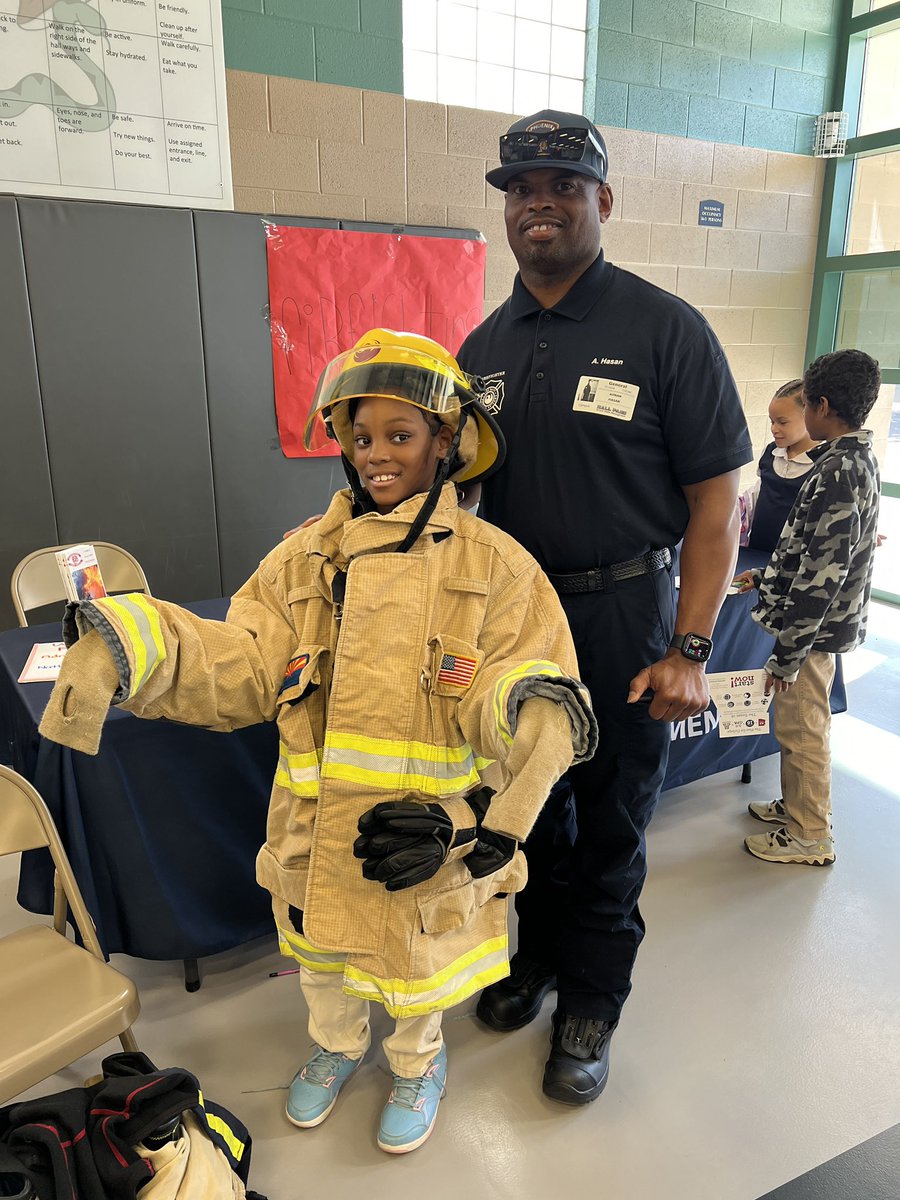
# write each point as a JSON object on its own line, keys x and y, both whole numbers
{"x": 832, "y": 261}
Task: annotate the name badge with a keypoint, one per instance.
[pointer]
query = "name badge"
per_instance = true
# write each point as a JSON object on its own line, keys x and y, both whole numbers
{"x": 606, "y": 397}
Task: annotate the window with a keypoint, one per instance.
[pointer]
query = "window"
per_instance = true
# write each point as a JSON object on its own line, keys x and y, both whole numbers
{"x": 875, "y": 205}
{"x": 856, "y": 287}
{"x": 880, "y": 101}
{"x": 502, "y": 55}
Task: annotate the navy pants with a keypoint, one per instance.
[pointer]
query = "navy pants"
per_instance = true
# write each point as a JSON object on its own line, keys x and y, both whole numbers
{"x": 587, "y": 854}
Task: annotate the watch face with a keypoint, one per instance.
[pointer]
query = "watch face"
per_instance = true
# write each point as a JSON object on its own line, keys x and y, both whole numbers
{"x": 696, "y": 647}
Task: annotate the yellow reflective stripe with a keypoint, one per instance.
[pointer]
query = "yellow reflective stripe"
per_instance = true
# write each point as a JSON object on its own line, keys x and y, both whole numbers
{"x": 390, "y": 764}
{"x": 306, "y": 789}
{"x": 225, "y": 1132}
{"x": 394, "y": 781}
{"x": 294, "y": 945}
{"x": 491, "y": 946}
{"x": 387, "y": 748}
{"x": 504, "y": 686}
{"x": 147, "y": 645}
{"x": 298, "y": 773}
{"x": 155, "y": 628}
{"x": 403, "y": 998}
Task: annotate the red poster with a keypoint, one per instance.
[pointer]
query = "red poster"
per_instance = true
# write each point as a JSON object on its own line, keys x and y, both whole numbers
{"x": 327, "y": 287}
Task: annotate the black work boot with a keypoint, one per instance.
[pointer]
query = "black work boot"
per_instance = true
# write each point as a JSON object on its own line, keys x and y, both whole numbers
{"x": 578, "y": 1066}
{"x": 516, "y": 1000}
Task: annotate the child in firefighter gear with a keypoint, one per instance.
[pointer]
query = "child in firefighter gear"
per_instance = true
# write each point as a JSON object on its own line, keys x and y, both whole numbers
{"x": 425, "y": 685}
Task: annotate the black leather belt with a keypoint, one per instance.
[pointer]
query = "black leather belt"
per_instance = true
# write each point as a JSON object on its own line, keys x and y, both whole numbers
{"x": 601, "y": 579}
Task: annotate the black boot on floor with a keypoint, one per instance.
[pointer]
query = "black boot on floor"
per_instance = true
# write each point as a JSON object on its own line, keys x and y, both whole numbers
{"x": 578, "y": 1066}
{"x": 516, "y": 1000}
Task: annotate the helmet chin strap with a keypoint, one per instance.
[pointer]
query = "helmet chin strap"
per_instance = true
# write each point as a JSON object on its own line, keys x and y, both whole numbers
{"x": 430, "y": 503}
{"x": 362, "y": 501}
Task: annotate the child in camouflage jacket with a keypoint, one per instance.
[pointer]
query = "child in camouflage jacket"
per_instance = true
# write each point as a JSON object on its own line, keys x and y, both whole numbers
{"x": 813, "y": 598}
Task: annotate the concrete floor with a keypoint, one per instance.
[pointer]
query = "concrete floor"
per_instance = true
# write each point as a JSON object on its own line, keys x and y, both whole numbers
{"x": 762, "y": 1037}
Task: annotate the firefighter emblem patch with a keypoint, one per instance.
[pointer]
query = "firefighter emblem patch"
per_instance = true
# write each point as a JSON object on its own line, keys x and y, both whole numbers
{"x": 492, "y": 396}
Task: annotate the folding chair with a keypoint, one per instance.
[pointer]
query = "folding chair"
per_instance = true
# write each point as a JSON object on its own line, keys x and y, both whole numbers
{"x": 58, "y": 1000}
{"x": 36, "y": 580}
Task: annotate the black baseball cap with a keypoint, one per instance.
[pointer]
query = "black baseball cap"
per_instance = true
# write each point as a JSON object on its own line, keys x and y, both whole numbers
{"x": 550, "y": 139}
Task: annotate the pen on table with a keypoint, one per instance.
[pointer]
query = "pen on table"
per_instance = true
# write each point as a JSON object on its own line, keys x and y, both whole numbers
{"x": 276, "y": 974}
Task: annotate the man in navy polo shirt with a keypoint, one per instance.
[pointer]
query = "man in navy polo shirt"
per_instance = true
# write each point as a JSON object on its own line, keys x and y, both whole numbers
{"x": 625, "y": 435}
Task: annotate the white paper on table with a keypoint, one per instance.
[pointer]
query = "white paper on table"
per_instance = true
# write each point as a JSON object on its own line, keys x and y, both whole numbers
{"x": 741, "y": 701}
{"x": 43, "y": 663}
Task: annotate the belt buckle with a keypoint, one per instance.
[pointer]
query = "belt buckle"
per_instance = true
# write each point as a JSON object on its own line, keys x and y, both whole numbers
{"x": 600, "y": 579}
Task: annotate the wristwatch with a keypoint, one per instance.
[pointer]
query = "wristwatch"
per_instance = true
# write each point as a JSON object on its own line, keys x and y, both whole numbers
{"x": 694, "y": 646}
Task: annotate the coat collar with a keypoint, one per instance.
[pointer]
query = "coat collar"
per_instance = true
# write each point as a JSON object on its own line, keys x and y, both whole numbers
{"x": 338, "y": 537}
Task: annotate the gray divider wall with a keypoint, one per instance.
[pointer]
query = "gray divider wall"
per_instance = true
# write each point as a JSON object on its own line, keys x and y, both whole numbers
{"x": 136, "y": 392}
{"x": 27, "y": 518}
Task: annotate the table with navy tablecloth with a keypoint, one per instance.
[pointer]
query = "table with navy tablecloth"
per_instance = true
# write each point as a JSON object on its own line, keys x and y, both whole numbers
{"x": 739, "y": 644}
{"x": 163, "y": 825}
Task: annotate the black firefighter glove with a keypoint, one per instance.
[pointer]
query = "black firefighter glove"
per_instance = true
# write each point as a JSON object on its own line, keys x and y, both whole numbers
{"x": 492, "y": 850}
{"x": 403, "y": 843}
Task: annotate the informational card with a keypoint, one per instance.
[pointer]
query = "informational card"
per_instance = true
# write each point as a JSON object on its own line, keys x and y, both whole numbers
{"x": 43, "y": 663}
{"x": 741, "y": 701}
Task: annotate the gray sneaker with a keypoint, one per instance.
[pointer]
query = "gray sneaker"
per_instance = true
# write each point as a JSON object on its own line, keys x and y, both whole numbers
{"x": 780, "y": 846}
{"x": 767, "y": 810}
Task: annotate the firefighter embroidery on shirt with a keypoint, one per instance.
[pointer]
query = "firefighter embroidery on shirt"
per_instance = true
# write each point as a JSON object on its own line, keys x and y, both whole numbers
{"x": 492, "y": 396}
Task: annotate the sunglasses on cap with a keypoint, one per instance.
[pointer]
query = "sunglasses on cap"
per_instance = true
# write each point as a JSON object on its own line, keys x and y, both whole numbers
{"x": 567, "y": 145}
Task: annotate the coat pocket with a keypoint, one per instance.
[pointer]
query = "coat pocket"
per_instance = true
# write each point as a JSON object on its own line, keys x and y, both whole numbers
{"x": 444, "y": 911}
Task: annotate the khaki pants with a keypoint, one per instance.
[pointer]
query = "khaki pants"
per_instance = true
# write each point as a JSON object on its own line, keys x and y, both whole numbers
{"x": 802, "y": 726}
{"x": 340, "y": 1023}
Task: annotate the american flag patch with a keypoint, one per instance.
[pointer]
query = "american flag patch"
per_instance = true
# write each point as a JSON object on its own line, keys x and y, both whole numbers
{"x": 457, "y": 669}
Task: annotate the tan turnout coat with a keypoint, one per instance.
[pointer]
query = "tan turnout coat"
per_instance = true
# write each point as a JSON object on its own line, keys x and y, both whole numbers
{"x": 413, "y": 693}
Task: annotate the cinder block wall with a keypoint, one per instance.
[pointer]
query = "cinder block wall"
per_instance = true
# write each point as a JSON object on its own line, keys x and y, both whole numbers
{"x": 322, "y": 150}
{"x": 752, "y": 72}
{"x": 357, "y": 42}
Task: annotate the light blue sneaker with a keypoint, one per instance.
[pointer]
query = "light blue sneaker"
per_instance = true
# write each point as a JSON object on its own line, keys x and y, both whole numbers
{"x": 315, "y": 1087}
{"x": 409, "y": 1115}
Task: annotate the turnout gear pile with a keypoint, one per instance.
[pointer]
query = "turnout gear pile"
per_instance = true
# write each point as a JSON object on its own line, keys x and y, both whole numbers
{"x": 92, "y": 1143}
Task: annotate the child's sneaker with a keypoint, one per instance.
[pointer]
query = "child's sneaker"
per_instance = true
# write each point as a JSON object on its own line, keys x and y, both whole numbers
{"x": 767, "y": 810}
{"x": 780, "y": 846}
{"x": 409, "y": 1115}
{"x": 315, "y": 1087}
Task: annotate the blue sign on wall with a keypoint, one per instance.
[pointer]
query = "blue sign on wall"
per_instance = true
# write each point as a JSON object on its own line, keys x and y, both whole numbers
{"x": 712, "y": 212}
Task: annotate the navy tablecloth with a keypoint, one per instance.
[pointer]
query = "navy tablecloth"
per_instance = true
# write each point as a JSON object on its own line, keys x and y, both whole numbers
{"x": 738, "y": 643}
{"x": 162, "y": 826}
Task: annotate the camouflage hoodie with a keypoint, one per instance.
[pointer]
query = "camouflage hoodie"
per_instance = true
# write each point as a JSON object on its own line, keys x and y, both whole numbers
{"x": 814, "y": 593}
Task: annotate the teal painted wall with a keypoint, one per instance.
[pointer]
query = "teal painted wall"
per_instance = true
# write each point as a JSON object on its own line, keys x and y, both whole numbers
{"x": 752, "y": 72}
{"x": 357, "y": 43}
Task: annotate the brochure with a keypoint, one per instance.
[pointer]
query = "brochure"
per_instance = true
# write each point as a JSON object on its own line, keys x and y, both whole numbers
{"x": 43, "y": 663}
{"x": 81, "y": 573}
{"x": 741, "y": 701}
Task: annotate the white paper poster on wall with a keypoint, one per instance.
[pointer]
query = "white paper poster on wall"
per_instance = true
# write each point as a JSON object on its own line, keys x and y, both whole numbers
{"x": 114, "y": 100}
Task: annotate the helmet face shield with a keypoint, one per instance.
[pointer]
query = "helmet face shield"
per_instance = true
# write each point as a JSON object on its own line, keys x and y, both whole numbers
{"x": 388, "y": 373}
